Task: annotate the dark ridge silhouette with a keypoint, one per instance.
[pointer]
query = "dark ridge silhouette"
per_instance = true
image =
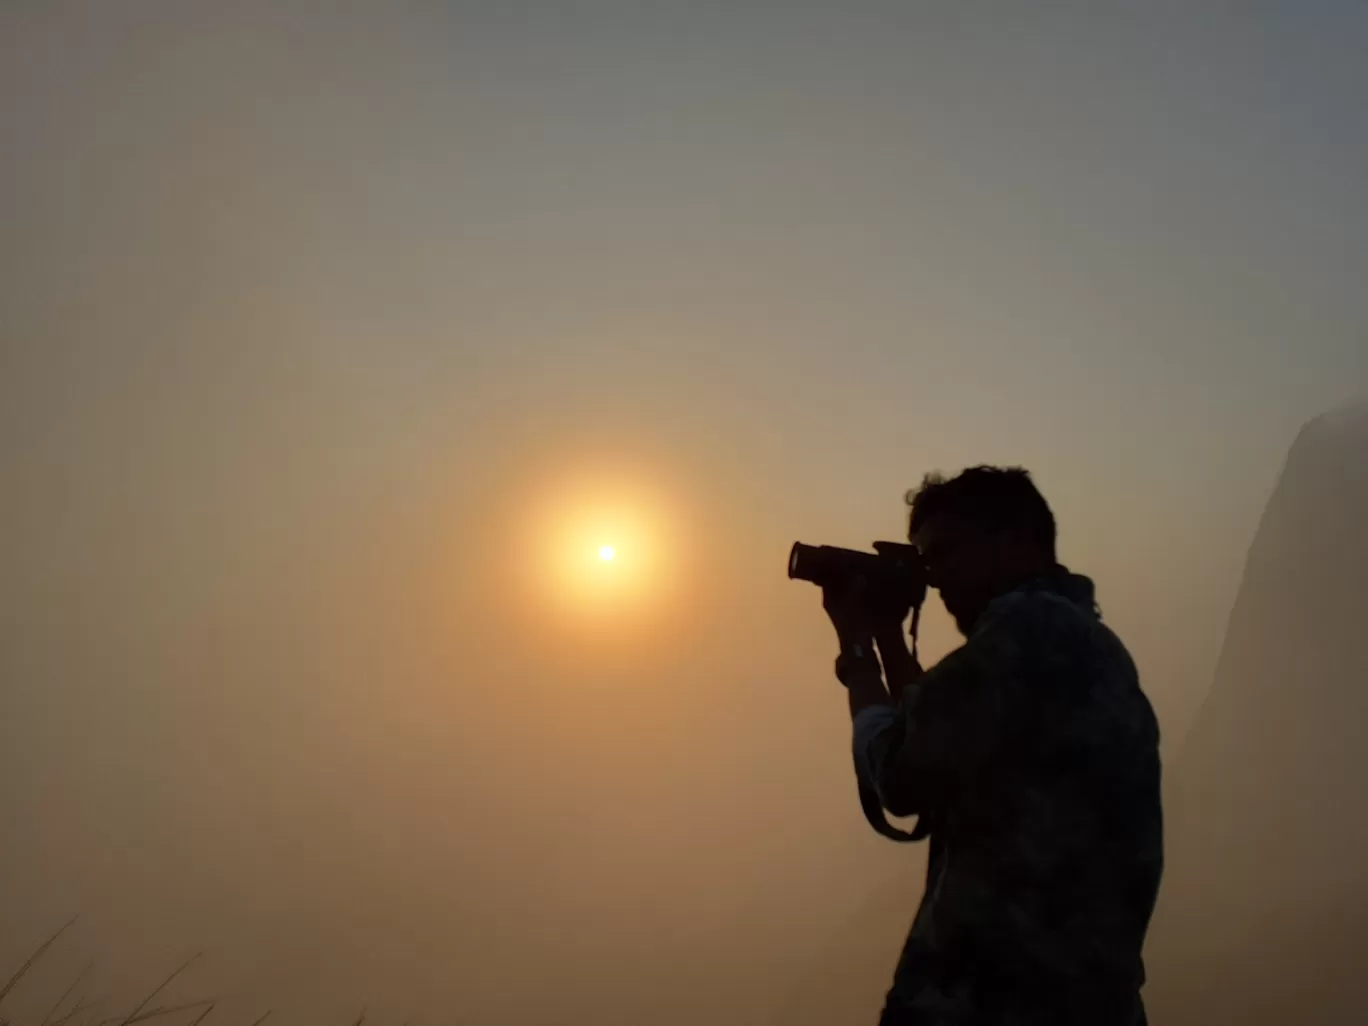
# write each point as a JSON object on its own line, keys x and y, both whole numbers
{"x": 1263, "y": 914}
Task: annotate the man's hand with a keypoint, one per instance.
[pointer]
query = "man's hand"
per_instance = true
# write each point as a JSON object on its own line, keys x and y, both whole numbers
{"x": 846, "y": 605}
{"x": 890, "y": 603}
{"x": 861, "y": 611}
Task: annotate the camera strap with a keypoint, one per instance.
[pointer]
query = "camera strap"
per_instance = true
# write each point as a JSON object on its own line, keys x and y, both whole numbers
{"x": 874, "y": 813}
{"x": 870, "y": 803}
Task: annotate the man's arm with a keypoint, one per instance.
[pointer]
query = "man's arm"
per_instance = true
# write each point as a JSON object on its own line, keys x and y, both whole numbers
{"x": 865, "y": 690}
{"x": 948, "y": 721}
{"x": 900, "y": 667}
{"x": 863, "y": 678}
{"x": 934, "y": 725}
{"x": 859, "y": 642}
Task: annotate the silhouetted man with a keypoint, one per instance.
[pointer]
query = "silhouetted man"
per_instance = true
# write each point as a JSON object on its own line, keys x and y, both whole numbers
{"x": 1029, "y": 754}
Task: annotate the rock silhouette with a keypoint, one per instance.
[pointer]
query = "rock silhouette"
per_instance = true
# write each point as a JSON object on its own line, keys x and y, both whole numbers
{"x": 1263, "y": 914}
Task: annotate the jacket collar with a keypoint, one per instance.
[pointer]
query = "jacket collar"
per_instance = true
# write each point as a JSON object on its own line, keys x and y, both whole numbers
{"x": 1060, "y": 581}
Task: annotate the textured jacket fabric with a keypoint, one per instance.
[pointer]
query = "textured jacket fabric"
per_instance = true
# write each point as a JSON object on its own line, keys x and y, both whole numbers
{"x": 1033, "y": 756}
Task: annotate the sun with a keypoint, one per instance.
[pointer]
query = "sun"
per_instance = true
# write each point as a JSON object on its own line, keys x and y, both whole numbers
{"x": 601, "y": 545}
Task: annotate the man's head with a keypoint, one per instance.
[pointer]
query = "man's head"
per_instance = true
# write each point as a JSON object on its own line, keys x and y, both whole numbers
{"x": 982, "y": 533}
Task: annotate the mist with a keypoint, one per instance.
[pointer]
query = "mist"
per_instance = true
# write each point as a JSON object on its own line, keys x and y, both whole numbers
{"x": 315, "y": 322}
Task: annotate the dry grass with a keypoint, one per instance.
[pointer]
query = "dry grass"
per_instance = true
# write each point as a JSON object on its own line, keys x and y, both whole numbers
{"x": 82, "y": 1011}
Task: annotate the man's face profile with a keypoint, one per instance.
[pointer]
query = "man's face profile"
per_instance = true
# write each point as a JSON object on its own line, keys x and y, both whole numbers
{"x": 960, "y": 564}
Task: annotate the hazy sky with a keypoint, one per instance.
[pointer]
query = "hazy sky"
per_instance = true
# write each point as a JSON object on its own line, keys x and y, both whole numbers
{"x": 319, "y": 324}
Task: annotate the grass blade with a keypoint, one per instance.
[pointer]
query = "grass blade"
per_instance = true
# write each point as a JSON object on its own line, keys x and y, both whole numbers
{"x": 32, "y": 959}
{"x": 159, "y": 1011}
{"x": 47, "y": 1019}
{"x": 81, "y": 1006}
{"x": 132, "y": 1016}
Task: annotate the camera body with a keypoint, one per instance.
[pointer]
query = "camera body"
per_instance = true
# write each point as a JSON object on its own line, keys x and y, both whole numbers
{"x": 895, "y": 569}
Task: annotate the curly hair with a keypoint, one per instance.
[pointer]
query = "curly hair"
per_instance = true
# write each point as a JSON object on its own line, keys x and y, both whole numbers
{"x": 995, "y": 498}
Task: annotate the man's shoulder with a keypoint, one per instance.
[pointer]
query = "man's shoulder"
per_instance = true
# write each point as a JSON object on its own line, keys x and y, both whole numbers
{"x": 1037, "y": 605}
{"x": 1061, "y": 647}
{"x": 1031, "y": 624}
{"x": 1002, "y": 642}
{"x": 1050, "y": 619}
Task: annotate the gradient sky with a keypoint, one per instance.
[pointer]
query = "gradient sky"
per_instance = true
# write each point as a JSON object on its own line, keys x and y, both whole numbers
{"x": 315, "y": 322}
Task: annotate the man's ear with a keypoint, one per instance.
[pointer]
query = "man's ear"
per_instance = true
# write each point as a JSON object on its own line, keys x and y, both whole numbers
{"x": 1018, "y": 548}
{"x": 1009, "y": 547}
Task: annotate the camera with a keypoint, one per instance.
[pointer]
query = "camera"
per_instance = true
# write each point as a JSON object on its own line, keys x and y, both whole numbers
{"x": 894, "y": 569}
